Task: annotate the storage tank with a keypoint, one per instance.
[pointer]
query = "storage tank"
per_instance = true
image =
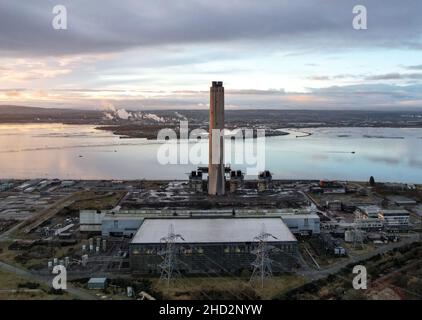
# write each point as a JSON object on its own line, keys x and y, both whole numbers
{"x": 349, "y": 236}
{"x": 84, "y": 260}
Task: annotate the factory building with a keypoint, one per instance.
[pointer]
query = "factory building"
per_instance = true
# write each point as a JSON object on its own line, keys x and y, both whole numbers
{"x": 395, "y": 219}
{"x": 127, "y": 222}
{"x": 370, "y": 224}
{"x": 332, "y": 187}
{"x": 236, "y": 180}
{"x": 195, "y": 181}
{"x": 402, "y": 201}
{"x": 120, "y": 225}
{"x": 216, "y": 169}
{"x": 91, "y": 220}
{"x": 369, "y": 211}
{"x": 265, "y": 181}
{"x": 211, "y": 245}
{"x": 302, "y": 223}
{"x": 5, "y": 185}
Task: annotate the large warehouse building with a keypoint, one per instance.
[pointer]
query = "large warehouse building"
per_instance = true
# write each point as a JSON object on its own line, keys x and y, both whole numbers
{"x": 211, "y": 245}
{"x": 127, "y": 222}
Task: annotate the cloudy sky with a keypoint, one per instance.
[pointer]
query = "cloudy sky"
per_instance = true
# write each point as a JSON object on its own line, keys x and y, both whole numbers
{"x": 151, "y": 54}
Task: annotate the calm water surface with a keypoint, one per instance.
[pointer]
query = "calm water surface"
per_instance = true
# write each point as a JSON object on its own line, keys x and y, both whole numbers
{"x": 82, "y": 152}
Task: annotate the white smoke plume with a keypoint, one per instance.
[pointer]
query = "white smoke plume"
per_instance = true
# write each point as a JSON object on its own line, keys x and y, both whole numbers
{"x": 154, "y": 117}
{"x": 122, "y": 114}
{"x": 106, "y": 105}
{"x": 113, "y": 112}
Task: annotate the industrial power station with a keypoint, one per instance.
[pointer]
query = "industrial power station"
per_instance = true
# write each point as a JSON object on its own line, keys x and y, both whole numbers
{"x": 209, "y": 229}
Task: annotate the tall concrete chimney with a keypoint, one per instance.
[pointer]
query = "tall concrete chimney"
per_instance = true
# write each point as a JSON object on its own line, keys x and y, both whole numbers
{"x": 216, "y": 183}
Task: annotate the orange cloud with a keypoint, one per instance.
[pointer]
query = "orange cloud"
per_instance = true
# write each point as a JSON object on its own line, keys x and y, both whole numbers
{"x": 12, "y": 94}
{"x": 304, "y": 98}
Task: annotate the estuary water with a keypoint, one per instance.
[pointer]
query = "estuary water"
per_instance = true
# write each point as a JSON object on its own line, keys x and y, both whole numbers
{"x": 82, "y": 152}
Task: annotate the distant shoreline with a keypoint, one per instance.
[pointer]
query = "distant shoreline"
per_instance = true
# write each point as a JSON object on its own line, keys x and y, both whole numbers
{"x": 149, "y": 132}
{"x": 186, "y": 180}
{"x": 146, "y": 124}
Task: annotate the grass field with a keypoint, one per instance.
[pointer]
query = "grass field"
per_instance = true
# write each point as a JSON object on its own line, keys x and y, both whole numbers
{"x": 205, "y": 288}
{"x": 13, "y": 287}
{"x": 97, "y": 201}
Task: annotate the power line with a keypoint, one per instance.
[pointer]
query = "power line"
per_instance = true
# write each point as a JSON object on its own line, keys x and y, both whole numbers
{"x": 262, "y": 264}
{"x": 169, "y": 266}
{"x": 358, "y": 233}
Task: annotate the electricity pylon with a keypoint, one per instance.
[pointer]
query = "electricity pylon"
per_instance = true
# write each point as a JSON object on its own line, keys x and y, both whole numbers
{"x": 169, "y": 255}
{"x": 357, "y": 234}
{"x": 262, "y": 264}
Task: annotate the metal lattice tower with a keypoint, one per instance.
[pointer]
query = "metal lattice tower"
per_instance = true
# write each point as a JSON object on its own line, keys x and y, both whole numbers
{"x": 358, "y": 234}
{"x": 262, "y": 264}
{"x": 169, "y": 264}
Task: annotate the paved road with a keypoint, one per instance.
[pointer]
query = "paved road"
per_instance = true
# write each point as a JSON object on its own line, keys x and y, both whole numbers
{"x": 77, "y": 293}
{"x": 51, "y": 211}
{"x": 5, "y": 235}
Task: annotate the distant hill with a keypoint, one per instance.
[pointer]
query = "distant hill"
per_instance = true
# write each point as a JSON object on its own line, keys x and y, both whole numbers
{"x": 11, "y": 113}
{"x": 234, "y": 118}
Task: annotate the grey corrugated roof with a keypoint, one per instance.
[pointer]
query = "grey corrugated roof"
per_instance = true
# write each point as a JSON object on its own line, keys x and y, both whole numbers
{"x": 97, "y": 280}
{"x": 213, "y": 230}
{"x": 395, "y": 212}
{"x": 300, "y": 216}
